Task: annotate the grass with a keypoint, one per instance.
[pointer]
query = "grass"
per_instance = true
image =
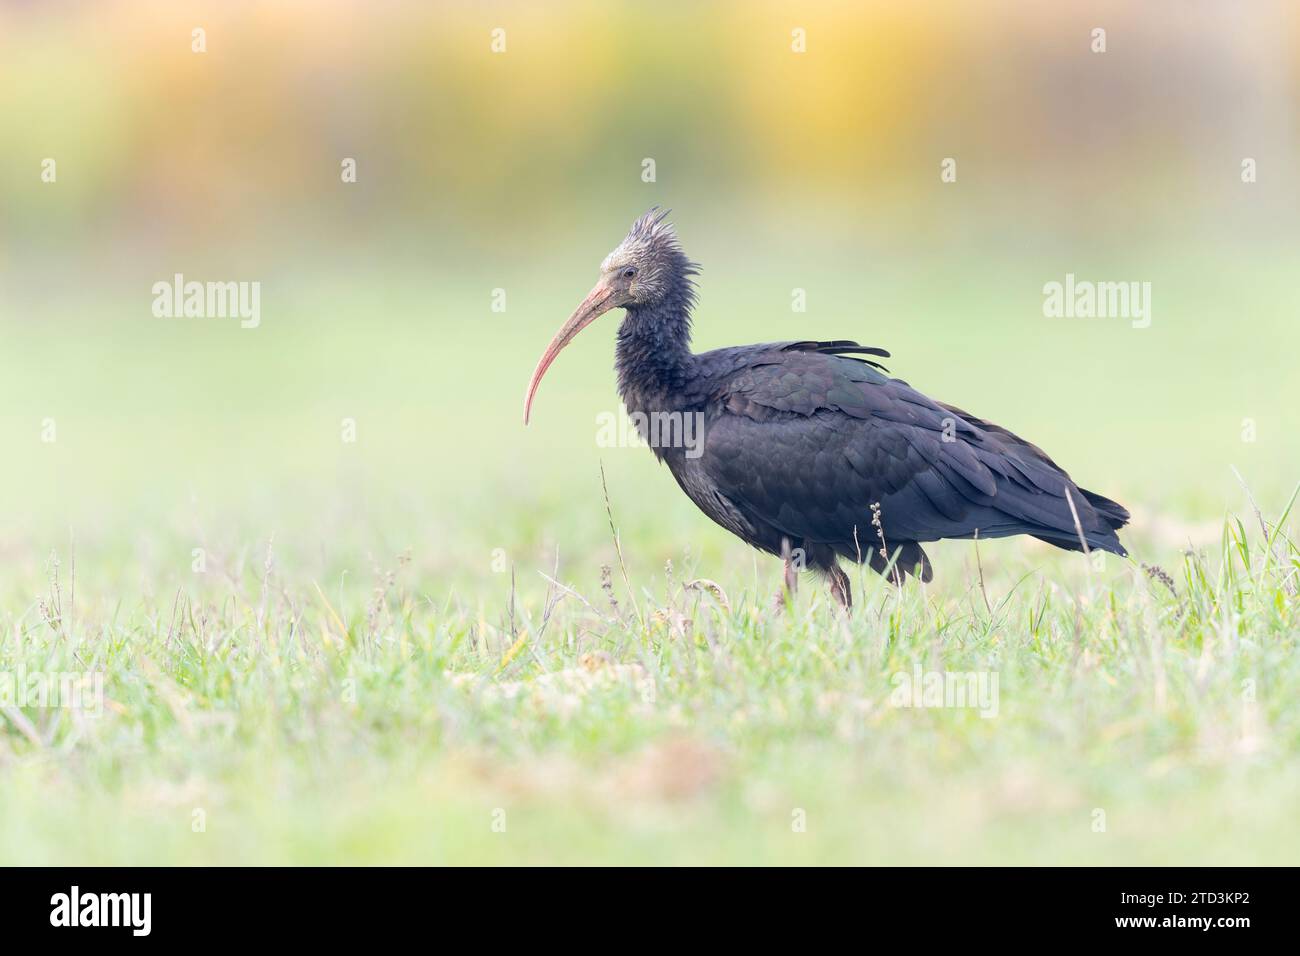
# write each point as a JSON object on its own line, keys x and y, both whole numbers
{"x": 260, "y": 715}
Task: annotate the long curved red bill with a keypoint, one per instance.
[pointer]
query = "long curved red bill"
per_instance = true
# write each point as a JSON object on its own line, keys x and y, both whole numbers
{"x": 598, "y": 301}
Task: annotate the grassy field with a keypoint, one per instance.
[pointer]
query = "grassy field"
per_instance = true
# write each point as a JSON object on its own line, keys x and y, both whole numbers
{"x": 407, "y": 648}
{"x": 269, "y": 718}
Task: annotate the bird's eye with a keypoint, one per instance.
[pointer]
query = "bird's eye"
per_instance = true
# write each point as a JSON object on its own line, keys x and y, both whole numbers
{"x": 629, "y": 273}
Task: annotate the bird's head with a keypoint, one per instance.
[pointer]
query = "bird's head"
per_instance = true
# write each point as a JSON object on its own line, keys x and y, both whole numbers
{"x": 645, "y": 270}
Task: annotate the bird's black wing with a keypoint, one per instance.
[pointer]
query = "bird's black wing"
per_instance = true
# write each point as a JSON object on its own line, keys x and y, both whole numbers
{"x": 807, "y": 440}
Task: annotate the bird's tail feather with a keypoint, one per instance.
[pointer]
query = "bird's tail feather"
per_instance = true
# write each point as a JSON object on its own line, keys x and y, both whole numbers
{"x": 1112, "y": 512}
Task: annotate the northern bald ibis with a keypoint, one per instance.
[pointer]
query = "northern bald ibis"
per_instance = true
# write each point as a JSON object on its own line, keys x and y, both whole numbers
{"x": 808, "y": 449}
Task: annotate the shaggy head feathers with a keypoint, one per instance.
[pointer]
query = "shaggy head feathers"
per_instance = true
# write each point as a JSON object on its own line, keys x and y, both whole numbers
{"x": 652, "y": 249}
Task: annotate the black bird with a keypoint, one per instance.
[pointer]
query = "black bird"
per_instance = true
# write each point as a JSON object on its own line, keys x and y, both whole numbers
{"x": 807, "y": 449}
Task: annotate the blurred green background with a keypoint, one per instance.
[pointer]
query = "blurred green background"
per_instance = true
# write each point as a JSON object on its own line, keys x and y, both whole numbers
{"x": 518, "y": 170}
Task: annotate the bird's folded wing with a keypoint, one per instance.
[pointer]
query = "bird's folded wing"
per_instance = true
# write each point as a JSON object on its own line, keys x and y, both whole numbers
{"x": 810, "y": 441}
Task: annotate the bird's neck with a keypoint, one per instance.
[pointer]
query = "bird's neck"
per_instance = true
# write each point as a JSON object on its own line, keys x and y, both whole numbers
{"x": 653, "y": 358}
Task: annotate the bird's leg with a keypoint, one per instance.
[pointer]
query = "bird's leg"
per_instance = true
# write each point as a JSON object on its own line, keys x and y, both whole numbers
{"x": 841, "y": 590}
{"x": 789, "y": 577}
